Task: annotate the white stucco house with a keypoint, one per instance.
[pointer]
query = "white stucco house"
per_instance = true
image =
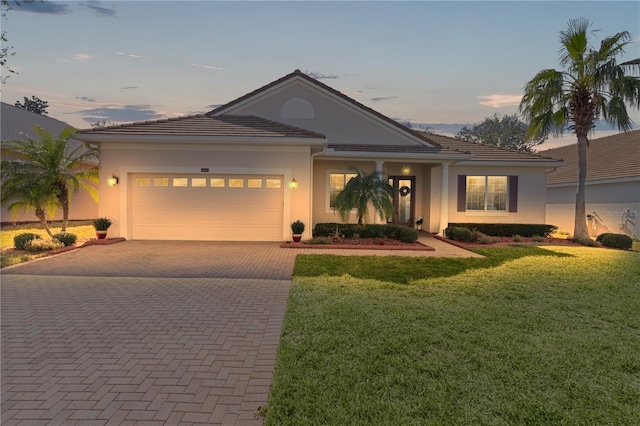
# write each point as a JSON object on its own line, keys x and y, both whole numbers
{"x": 17, "y": 124}
{"x": 247, "y": 169}
{"x": 612, "y": 185}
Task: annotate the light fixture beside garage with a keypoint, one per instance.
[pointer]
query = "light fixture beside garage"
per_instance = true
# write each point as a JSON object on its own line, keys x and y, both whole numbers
{"x": 293, "y": 184}
{"x": 113, "y": 180}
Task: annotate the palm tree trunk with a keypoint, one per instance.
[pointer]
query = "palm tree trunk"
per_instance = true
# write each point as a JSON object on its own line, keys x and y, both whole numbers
{"x": 63, "y": 199}
{"x": 580, "y": 229}
{"x": 40, "y": 214}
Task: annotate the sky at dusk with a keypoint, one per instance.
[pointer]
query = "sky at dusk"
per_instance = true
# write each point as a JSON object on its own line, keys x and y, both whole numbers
{"x": 422, "y": 62}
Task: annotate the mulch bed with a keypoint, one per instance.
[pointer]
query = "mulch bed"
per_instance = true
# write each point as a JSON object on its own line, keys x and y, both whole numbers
{"x": 103, "y": 242}
{"x": 508, "y": 241}
{"x": 362, "y": 244}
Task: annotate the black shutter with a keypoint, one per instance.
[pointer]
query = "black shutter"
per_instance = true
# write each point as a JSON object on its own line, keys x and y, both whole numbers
{"x": 462, "y": 193}
{"x": 513, "y": 194}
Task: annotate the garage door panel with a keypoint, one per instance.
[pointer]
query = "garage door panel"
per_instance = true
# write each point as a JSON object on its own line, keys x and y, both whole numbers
{"x": 206, "y": 213}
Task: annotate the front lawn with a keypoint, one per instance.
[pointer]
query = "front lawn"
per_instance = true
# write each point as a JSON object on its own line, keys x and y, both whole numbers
{"x": 531, "y": 336}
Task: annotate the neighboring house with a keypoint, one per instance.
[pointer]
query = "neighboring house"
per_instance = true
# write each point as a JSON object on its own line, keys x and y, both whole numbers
{"x": 612, "y": 186}
{"x": 17, "y": 124}
{"x": 229, "y": 174}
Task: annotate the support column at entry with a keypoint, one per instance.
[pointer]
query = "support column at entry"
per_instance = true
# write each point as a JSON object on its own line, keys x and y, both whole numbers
{"x": 379, "y": 164}
{"x": 444, "y": 198}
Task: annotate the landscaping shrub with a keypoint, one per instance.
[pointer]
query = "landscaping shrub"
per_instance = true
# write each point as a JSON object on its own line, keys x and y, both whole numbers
{"x": 66, "y": 238}
{"x": 508, "y": 229}
{"x": 41, "y": 245}
{"x": 458, "y": 233}
{"x": 481, "y": 238}
{"x": 539, "y": 239}
{"x": 518, "y": 238}
{"x": 604, "y": 234}
{"x": 408, "y": 235}
{"x": 619, "y": 241}
{"x": 21, "y": 239}
{"x": 348, "y": 230}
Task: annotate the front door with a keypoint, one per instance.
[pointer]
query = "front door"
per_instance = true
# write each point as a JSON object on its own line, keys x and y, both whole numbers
{"x": 403, "y": 199}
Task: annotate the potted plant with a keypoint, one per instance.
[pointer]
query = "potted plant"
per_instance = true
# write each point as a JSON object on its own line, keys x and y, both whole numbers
{"x": 419, "y": 223}
{"x": 297, "y": 228}
{"x": 101, "y": 224}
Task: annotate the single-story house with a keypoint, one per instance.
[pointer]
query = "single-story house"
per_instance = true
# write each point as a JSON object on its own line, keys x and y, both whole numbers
{"x": 612, "y": 187}
{"x": 17, "y": 124}
{"x": 247, "y": 169}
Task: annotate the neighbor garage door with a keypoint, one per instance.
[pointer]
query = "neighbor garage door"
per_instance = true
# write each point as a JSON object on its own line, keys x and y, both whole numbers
{"x": 206, "y": 207}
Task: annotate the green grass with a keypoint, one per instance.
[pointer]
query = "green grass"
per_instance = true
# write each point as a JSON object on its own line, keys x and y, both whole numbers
{"x": 83, "y": 229}
{"x": 407, "y": 269}
{"x": 535, "y": 338}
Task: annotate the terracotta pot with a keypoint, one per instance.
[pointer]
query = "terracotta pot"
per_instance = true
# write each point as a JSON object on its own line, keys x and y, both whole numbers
{"x": 297, "y": 238}
{"x": 101, "y": 235}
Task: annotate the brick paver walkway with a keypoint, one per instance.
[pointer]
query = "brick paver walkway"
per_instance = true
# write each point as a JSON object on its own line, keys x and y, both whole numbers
{"x": 146, "y": 332}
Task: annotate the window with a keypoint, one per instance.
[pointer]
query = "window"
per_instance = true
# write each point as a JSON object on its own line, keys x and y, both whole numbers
{"x": 337, "y": 182}
{"x": 254, "y": 183}
{"x": 236, "y": 183}
{"x": 488, "y": 193}
{"x": 143, "y": 181}
{"x": 199, "y": 182}
{"x": 161, "y": 181}
{"x": 217, "y": 182}
{"x": 181, "y": 182}
{"x": 274, "y": 183}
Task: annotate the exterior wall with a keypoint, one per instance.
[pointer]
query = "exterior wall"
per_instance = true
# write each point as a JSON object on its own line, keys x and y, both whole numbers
{"x": 322, "y": 213}
{"x": 340, "y": 123}
{"x": 531, "y": 195}
{"x": 123, "y": 160}
{"x": 613, "y": 207}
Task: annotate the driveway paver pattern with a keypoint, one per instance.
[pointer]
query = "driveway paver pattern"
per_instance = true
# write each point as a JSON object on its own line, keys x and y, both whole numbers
{"x": 146, "y": 332}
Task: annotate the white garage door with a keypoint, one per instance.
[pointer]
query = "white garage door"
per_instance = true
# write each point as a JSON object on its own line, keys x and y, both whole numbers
{"x": 206, "y": 207}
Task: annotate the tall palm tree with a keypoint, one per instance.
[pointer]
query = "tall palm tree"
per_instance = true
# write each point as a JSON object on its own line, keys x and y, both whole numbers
{"x": 53, "y": 164}
{"x": 364, "y": 189}
{"x": 592, "y": 85}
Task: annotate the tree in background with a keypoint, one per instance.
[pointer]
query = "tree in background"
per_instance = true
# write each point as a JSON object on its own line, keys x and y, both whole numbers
{"x": 362, "y": 190}
{"x": 47, "y": 168}
{"x": 591, "y": 85}
{"x": 35, "y": 104}
{"x": 507, "y": 131}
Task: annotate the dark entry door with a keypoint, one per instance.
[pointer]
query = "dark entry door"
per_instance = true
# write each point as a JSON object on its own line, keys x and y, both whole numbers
{"x": 403, "y": 199}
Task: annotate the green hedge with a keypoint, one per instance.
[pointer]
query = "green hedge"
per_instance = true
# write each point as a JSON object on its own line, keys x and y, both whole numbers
{"x": 604, "y": 234}
{"x": 459, "y": 233}
{"x": 21, "y": 239}
{"x": 347, "y": 230}
{"x": 66, "y": 238}
{"x": 508, "y": 229}
{"x": 619, "y": 241}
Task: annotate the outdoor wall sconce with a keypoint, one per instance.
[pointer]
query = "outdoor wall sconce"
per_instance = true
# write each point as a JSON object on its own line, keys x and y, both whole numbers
{"x": 293, "y": 184}
{"x": 406, "y": 170}
{"x": 113, "y": 180}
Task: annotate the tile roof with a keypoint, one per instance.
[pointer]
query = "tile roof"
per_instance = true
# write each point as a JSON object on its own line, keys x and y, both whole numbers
{"x": 611, "y": 157}
{"x": 203, "y": 125}
{"x": 390, "y": 148}
{"x": 483, "y": 152}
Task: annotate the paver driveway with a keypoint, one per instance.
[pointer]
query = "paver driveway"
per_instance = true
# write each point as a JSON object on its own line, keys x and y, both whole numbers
{"x": 143, "y": 332}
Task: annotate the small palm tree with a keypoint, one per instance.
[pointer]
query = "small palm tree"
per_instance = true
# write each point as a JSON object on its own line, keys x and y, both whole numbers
{"x": 24, "y": 192}
{"x": 52, "y": 163}
{"x": 362, "y": 190}
{"x": 592, "y": 85}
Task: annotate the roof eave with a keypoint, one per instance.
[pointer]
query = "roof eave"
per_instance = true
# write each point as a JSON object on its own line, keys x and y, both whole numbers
{"x": 513, "y": 163}
{"x": 96, "y": 138}
{"x": 390, "y": 156}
